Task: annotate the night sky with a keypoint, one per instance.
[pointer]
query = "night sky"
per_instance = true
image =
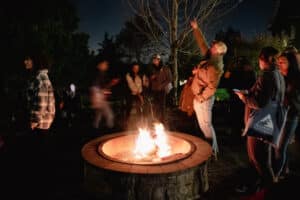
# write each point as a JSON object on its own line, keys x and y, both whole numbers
{"x": 100, "y": 16}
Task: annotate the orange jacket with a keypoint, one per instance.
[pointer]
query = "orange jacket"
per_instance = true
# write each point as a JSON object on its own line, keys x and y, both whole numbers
{"x": 209, "y": 72}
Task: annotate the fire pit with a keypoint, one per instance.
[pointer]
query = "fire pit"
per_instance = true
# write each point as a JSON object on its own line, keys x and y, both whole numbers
{"x": 146, "y": 148}
{"x": 160, "y": 165}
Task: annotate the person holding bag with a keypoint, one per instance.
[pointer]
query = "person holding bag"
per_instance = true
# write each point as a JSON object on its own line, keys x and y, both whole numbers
{"x": 266, "y": 88}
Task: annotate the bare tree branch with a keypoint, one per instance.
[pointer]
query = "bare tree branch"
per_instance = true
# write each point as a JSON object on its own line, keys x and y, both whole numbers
{"x": 167, "y": 23}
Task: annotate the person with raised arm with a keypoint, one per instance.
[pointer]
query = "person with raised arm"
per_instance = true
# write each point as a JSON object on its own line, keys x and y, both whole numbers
{"x": 205, "y": 83}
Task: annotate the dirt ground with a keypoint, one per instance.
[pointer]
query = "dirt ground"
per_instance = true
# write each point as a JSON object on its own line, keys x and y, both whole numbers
{"x": 61, "y": 174}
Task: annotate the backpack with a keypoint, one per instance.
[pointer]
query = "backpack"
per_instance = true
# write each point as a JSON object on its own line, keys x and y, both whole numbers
{"x": 187, "y": 98}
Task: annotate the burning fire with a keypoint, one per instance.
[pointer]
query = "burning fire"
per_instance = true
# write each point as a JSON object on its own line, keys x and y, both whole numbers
{"x": 152, "y": 145}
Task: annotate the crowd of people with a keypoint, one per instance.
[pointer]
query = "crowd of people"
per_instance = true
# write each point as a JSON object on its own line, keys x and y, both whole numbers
{"x": 144, "y": 93}
{"x": 279, "y": 77}
{"x": 269, "y": 162}
{"x": 146, "y": 97}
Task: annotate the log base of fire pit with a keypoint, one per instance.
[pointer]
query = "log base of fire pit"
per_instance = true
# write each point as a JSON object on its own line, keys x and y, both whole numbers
{"x": 182, "y": 179}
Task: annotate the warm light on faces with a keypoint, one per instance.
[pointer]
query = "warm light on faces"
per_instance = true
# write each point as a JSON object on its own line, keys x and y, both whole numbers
{"x": 136, "y": 68}
{"x": 214, "y": 50}
{"x": 156, "y": 61}
{"x": 28, "y": 63}
{"x": 218, "y": 48}
{"x": 263, "y": 65}
{"x": 103, "y": 66}
{"x": 283, "y": 64}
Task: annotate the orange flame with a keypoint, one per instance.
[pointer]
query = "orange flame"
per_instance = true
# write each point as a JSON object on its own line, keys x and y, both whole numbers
{"x": 144, "y": 144}
{"x": 148, "y": 144}
{"x": 161, "y": 141}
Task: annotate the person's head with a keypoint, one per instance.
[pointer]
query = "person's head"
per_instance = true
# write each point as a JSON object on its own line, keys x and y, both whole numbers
{"x": 135, "y": 68}
{"x": 72, "y": 87}
{"x": 28, "y": 62}
{"x": 156, "y": 60}
{"x": 267, "y": 58}
{"x": 103, "y": 65}
{"x": 72, "y": 90}
{"x": 291, "y": 49}
{"x": 218, "y": 48}
{"x": 287, "y": 63}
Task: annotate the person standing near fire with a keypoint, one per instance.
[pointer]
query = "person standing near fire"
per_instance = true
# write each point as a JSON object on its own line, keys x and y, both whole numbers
{"x": 99, "y": 93}
{"x": 205, "y": 83}
{"x": 40, "y": 96}
{"x": 160, "y": 85}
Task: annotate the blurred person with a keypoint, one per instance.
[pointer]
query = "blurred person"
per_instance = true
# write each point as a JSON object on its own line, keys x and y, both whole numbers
{"x": 99, "y": 94}
{"x": 70, "y": 105}
{"x": 205, "y": 83}
{"x": 160, "y": 80}
{"x": 260, "y": 153}
{"x": 288, "y": 66}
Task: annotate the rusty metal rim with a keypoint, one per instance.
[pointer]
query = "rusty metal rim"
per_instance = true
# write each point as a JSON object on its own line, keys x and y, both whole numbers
{"x": 184, "y": 156}
{"x": 92, "y": 157}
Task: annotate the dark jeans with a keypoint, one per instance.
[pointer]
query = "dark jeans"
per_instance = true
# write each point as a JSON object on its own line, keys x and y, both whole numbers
{"x": 159, "y": 105}
{"x": 133, "y": 101}
{"x": 281, "y": 157}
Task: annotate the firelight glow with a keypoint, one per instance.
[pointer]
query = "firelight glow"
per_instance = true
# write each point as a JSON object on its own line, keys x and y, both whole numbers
{"x": 148, "y": 144}
{"x": 161, "y": 141}
{"x": 144, "y": 145}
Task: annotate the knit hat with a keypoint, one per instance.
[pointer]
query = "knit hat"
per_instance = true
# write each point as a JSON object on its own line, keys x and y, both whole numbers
{"x": 157, "y": 56}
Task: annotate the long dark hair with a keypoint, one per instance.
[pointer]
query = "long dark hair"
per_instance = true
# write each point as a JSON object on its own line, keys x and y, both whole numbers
{"x": 160, "y": 65}
{"x": 293, "y": 75}
{"x": 269, "y": 52}
{"x": 131, "y": 73}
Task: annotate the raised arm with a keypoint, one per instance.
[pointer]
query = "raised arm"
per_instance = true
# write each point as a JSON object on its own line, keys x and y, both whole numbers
{"x": 202, "y": 44}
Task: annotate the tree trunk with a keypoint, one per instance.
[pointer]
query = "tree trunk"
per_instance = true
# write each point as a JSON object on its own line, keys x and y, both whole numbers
{"x": 174, "y": 49}
{"x": 174, "y": 60}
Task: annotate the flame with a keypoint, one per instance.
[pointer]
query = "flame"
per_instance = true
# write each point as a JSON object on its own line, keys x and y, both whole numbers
{"x": 144, "y": 144}
{"x": 161, "y": 141}
{"x": 148, "y": 144}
